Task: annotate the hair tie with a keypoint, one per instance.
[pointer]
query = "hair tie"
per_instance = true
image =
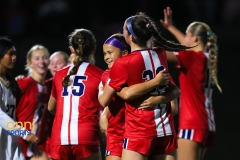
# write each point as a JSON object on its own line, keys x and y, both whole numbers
{"x": 209, "y": 33}
{"x": 147, "y": 25}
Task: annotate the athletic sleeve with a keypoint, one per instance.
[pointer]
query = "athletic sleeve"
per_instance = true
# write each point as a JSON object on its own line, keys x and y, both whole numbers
{"x": 53, "y": 93}
{"x": 186, "y": 58}
{"x": 118, "y": 75}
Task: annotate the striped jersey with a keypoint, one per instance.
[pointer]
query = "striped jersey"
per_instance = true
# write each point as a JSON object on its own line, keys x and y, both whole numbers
{"x": 10, "y": 148}
{"x": 77, "y": 108}
{"x": 116, "y": 115}
{"x": 137, "y": 67}
{"x": 31, "y": 106}
{"x": 196, "y": 110}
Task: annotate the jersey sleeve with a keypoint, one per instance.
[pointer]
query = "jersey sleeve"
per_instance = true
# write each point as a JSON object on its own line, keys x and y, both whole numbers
{"x": 53, "y": 92}
{"x": 22, "y": 84}
{"x": 118, "y": 75}
{"x": 186, "y": 59}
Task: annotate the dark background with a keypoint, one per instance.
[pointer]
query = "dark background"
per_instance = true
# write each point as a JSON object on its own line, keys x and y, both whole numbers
{"x": 49, "y": 22}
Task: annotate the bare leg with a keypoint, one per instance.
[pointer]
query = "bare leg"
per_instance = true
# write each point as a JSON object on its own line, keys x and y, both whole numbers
{"x": 167, "y": 156}
{"x": 43, "y": 156}
{"x": 171, "y": 155}
{"x": 129, "y": 155}
{"x": 188, "y": 150}
{"x": 113, "y": 158}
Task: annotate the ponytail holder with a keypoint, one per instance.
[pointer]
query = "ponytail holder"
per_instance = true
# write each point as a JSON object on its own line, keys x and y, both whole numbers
{"x": 147, "y": 25}
{"x": 209, "y": 33}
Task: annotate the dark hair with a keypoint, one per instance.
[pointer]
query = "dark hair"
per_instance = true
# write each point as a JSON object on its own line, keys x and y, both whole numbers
{"x": 16, "y": 91}
{"x": 121, "y": 39}
{"x": 5, "y": 45}
{"x": 145, "y": 30}
{"x": 83, "y": 42}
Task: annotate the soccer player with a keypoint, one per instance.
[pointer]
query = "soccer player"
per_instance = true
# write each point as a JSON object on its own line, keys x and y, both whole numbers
{"x": 147, "y": 132}
{"x": 74, "y": 101}
{"x": 34, "y": 99}
{"x": 9, "y": 90}
{"x": 58, "y": 60}
{"x": 198, "y": 74}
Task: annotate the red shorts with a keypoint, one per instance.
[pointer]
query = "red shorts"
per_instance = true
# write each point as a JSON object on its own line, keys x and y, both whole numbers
{"x": 114, "y": 146}
{"x": 78, "y": 152}
{"x": 151, "y": 146}
{"x": 205, "y": 137}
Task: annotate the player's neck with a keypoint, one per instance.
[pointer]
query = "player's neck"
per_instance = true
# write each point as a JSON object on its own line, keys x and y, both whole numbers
{"x": 136, "y": 47}
{"x": 3, "y": 72}
{"x": 39, "y": 78}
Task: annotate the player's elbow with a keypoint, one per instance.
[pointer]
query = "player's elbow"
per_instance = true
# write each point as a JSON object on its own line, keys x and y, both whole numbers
{"x": 103, "y": 101}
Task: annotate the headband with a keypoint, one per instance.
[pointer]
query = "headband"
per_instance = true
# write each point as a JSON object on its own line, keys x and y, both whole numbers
{"x": 129, "y": 26}
{"x": 114, "y": 42}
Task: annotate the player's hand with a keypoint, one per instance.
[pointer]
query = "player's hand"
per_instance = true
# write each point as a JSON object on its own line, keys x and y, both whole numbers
{"x": 167, "y": 18}
{"x": 32, "y": 138}
{"x": 149, "y": 103}
{"x": 19, "y": 77}
{"x": 162, "y": 78}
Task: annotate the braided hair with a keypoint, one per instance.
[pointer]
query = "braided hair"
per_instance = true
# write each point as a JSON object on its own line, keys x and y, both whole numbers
{"x": 83, "y": 42}
{"x": 209, "y": 41}
{"x": 145, "y": 31}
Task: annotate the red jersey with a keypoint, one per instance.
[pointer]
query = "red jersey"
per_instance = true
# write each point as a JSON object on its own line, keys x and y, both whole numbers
{"x": 138, "y": 67}
{"x": 33, "y": 101}
{"x": 116, "y": 116}
{"x": 31, "y": 107}
{"x": 196, "y": 111}
{"x": 77, "y": 108}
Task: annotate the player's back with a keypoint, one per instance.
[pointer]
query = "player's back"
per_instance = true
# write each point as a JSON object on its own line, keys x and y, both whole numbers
{"x": 142, "y": 66}
{"x": 77, "y": 107}
{"x": 196, "y": 87}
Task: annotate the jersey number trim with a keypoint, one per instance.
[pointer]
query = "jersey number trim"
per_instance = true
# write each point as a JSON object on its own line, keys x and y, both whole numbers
{"x": 148, "y": 74}
{"x": 76, "y": 83}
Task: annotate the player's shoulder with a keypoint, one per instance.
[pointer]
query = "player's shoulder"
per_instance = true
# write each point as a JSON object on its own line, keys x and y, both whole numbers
{"x": 63, "y": 71}
{"x": 95, "y": 69}
{"x": 26, "y": 80}
{"x": 158, "y": 49}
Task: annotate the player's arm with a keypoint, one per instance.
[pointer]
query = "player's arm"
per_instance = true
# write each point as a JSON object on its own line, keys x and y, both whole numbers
{"x": 137, "y": 90}
{"x": 171, "y": 57}
{"x": 52, "y": 105}
{"x": 104, "y": 120}
{"x": 174, "y": 106}
{"x": 167, "y": 23}
{"x": 105, "y": 97}
{"x": 170, "y": 94}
